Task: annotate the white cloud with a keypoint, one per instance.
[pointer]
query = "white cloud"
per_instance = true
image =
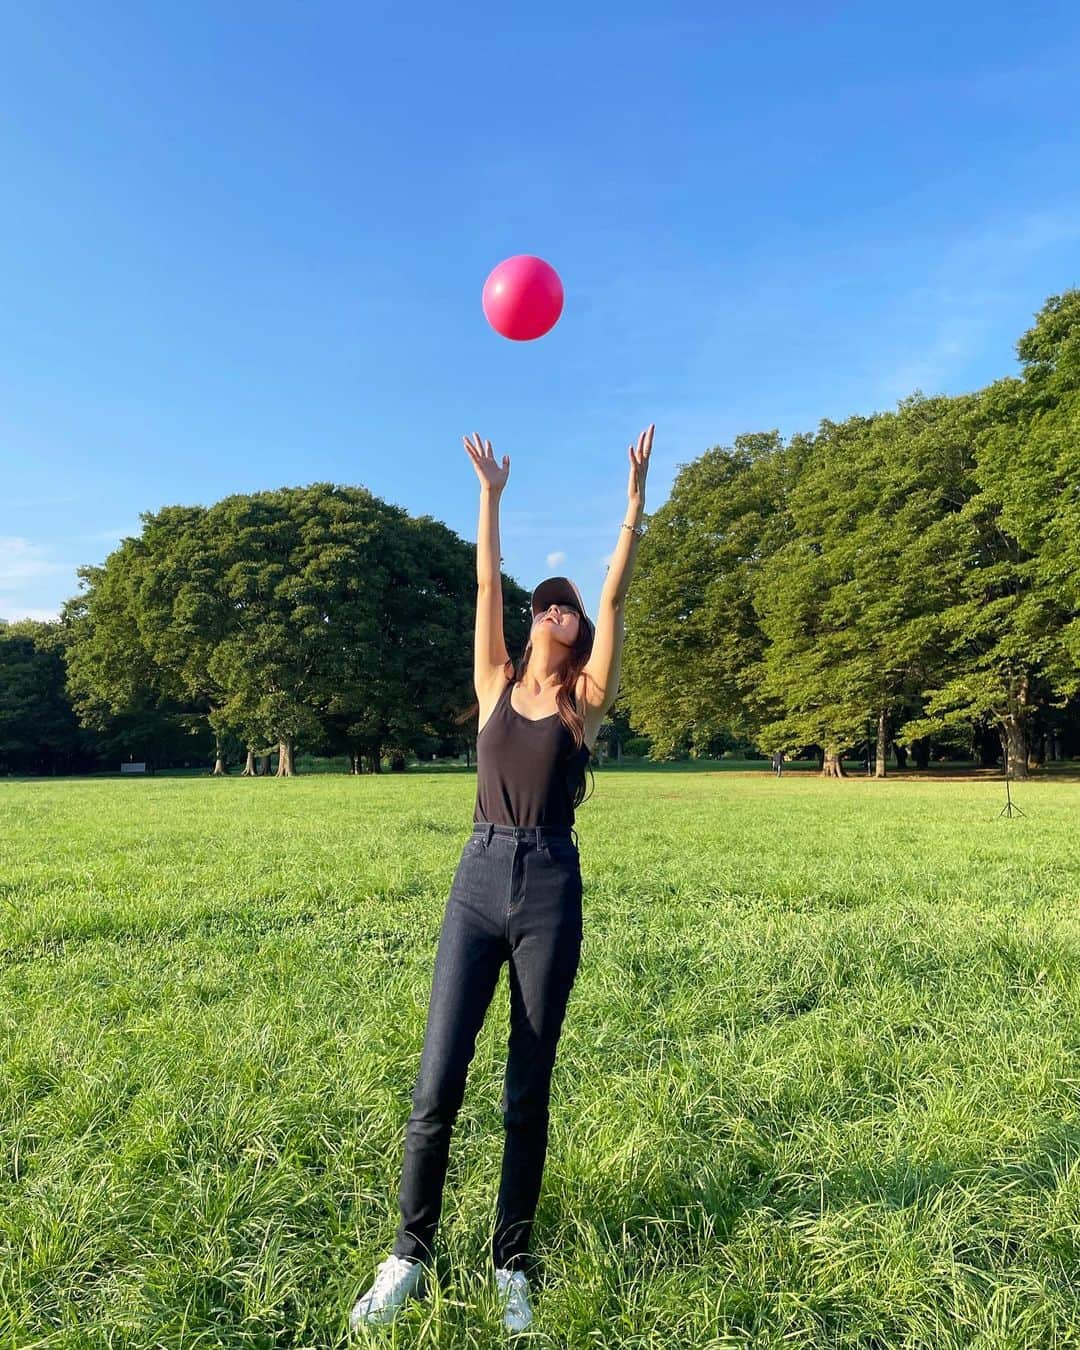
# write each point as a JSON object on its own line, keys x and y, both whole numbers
{"x": 556, "y": 559}
{"x": 13, "y": 614}
{"x": 22, "y": 561}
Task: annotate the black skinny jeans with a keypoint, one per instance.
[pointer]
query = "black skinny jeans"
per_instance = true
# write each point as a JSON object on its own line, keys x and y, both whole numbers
{"x": 516, "y": 897}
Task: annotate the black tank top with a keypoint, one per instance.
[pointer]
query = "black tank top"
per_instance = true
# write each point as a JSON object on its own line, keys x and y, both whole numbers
{"x": 526, "y": 770}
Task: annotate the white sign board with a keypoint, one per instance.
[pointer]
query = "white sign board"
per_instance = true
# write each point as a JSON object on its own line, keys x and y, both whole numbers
{"x": 132, "y": 768}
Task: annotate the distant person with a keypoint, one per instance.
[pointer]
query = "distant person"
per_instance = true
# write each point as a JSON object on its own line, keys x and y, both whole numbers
{"x": 516, "y": 894}
{"x": 778, "y": 763}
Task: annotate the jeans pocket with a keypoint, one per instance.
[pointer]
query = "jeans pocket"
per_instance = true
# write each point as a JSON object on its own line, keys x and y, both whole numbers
{"x": 468, "y": 874}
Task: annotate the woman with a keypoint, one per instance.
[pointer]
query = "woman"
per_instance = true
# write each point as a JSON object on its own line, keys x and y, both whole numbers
{"x": 516, "y": 895}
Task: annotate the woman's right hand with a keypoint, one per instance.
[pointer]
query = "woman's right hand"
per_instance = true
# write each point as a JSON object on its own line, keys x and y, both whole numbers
{"x": 492, "y": 477}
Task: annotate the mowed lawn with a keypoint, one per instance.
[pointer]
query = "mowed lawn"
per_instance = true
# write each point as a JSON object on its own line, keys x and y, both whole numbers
{"x": 819, "y": 1083}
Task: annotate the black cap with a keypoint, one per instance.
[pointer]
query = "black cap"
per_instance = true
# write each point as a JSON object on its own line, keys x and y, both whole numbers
{"x": 557, "y": 591}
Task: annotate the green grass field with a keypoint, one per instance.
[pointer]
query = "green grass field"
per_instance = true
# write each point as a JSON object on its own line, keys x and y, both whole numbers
{"x": 819, "y": 1083}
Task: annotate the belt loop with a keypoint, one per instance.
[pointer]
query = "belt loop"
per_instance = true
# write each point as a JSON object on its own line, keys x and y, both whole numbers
{"x": 488, "y": 833}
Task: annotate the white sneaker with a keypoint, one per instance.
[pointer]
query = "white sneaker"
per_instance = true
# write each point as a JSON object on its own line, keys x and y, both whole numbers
{"x": 396, "y": 1281}
{"x": 514, "y": 1297}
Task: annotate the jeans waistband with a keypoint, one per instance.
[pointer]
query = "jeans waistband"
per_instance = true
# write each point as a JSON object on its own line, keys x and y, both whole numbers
{"x": 538, "y": 834}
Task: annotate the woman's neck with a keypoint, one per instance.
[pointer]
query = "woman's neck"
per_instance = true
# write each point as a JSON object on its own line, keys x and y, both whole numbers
{"x": 540, "y": 677}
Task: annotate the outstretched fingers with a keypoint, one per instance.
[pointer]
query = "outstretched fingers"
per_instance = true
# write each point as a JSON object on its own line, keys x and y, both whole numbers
{"x": 477, "y": 447}
{"x": 638, "y": 455}
{"x": 482, "y": 454}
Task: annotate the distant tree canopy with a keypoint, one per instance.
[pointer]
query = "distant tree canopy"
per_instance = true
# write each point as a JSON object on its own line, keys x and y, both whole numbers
{"x": 318, "y": 617}
{"x": 38, "y": 729}
{"x": 895, "y": 581}
{"x": 890, "y": 578}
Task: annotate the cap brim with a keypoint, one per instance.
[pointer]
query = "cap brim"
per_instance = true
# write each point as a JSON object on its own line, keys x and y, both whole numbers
{"x": 558, "y": 591}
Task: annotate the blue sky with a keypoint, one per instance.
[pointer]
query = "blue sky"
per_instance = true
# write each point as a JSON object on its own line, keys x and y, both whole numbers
{"x": 243, "y": 246}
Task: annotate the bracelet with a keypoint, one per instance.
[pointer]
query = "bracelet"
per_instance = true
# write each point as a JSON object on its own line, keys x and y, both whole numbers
{"x": 639, "y": 530}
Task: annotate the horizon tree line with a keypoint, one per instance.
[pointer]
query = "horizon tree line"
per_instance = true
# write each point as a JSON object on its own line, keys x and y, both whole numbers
{"x": 902, "y": 580}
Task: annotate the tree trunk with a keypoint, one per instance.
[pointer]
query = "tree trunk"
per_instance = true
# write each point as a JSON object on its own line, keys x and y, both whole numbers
{"x": 901, "y": 756}
{"x": 286, "y": 768}
{"x": 249, "y": 764}
{"x": 882, "y": 743}
{"x": 375, "y": 759}
{"x": 219, "y": 760}
{"x": 354, "y": 763}
{"x": 1014, "y": 744}
{"x": 1013, "y": 730}
{"x": 920, "y": 752}
{"x": 832, "y": 767}
{"x": 264, "y": 766}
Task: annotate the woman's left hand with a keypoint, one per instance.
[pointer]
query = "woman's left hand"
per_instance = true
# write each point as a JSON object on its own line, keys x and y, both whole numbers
{"x": 639, "y": 467}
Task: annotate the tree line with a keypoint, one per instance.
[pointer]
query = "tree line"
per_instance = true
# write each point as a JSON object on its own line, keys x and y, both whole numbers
{"x": 318, "y": 616}
{"x": 905, "y": 580}
{"x": 898, "y": 578}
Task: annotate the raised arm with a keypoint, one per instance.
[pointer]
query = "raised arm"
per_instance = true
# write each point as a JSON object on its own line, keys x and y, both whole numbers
{"x": 490, "y": 656}
{"x": 605, "y": 662}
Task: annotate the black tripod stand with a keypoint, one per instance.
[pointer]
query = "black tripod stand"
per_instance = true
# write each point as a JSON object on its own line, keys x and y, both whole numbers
{"x": 1010, "y": 808}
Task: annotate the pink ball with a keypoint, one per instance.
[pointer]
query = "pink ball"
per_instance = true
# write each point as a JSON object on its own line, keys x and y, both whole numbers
{"x": 523, "y": 298}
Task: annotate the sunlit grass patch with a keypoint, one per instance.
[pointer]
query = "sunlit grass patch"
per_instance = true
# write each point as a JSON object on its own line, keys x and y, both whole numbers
{"x": 818, "y": 1084}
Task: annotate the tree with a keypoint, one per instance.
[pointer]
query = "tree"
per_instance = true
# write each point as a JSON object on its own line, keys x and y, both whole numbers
{"x": 693, "y": 637}
{"x": 39, "y": 732}
{"x": 1033, "y": 476}
{"x": 851, "y": 605}
{"x": 351, "y": 620}
{"x": 115, "y": 687}
{"x": 1012, "y": 633}
{"x": 316, "y": 616}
